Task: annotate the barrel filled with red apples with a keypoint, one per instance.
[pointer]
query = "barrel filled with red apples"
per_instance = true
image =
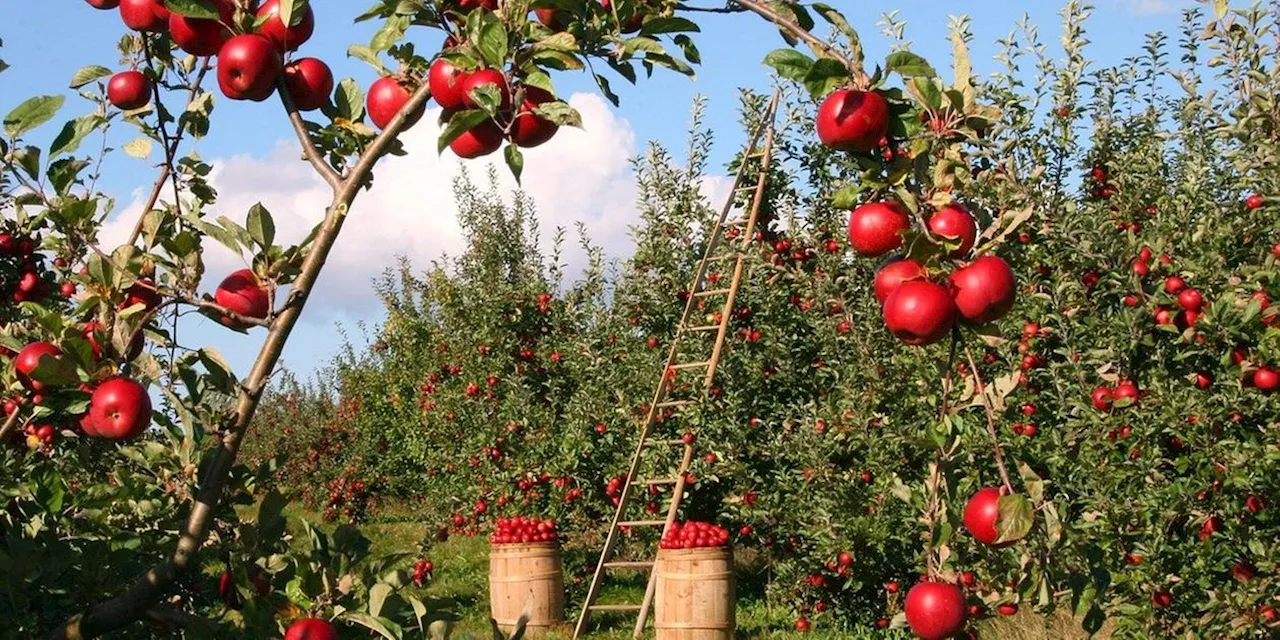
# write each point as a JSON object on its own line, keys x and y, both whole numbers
{"x": 525, "y": 568}
{"x": 694, "y": 595}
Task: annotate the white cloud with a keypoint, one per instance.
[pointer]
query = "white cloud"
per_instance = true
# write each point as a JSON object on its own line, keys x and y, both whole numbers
{"x": 1148, "y": 7}
{"x": 580, "y": 175}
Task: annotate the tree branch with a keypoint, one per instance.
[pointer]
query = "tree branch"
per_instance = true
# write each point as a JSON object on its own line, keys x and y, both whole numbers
{"x": 147, "y": 589}
{"x": 309, "y": 150}
{"x": 991, "y": 420}
{"x": 170, "y": 150}
{"x": 9, "y": 424}
{"x": 820, "y": 46}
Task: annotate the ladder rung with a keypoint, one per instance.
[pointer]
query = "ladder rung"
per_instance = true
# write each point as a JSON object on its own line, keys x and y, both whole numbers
{"x": 659, "y": 481}
{"x": 748, "y": 186}
{"x": 614, "y": 607}
{"x": 691, "y": 365}
{"x": 711, "y": 292}
{"x": 740, "y": 222}
{"x": 674, "y": 403}
{"x": 757, "y": 154}
{"x": 670, "y": 443}
{"x": 628, "y": 565}
{"x": 704, "y": 327}
{"x": 642, "y": 523}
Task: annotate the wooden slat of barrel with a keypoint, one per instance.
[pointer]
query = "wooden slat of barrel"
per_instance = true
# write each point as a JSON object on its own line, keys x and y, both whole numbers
{"x": 524, "y": 572}
{"x": 694, "y": 597}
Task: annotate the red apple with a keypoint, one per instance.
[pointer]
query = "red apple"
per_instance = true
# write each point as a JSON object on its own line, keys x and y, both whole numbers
{"x": 1190, "y": 300}
{"x": 144, "y": 15}
{"x": 142, "y": 292}
{"x": 311, "y": 629}
{"x": 981, "y": 515}
{"x": 1126, "y": 390}
{"x": 445, "y": 81}
{"x": 103, "y": 4}
{"x": 247, "y": 68}
{"x": 935, "y": 610}
{"x": 202, "y": 36}
{"x": 1161, "y": 599}
{"x": 120, "y": 409}
{"x": 852, "y": 120}
{"x": 285, "y": 38}
{"x": 129, "y": 90}
{"x": 1266, "y": 380}
{"x": 310, "y": 82}
{"x": 244, "y": 294}
{"x": 530, "y": 129}
{"x": 228, "y": 592}
{"x": 29, "y": 358}
{"x": 1174, "y": 284}
{"x": 471, "y": 5}
{"x": 893, "y": 273}
{"x": 481, "y": 140}
{"x": 554, "y": 19}
{"x": 919, "y": 312}
{"x": 984, "y": 290}
{"x": 876, "y": 228}
{"x": 954, "y": 222}
{"x": 386, "y": 97}
{"x": 480, "y": 78}
{"x": 1253, "y": 201}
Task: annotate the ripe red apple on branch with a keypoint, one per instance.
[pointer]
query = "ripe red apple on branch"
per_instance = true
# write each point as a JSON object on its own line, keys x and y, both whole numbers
{"x": 876, "y": 228}
{"x": 247, "y": 68}
{"x": 129, "y": 90}
{"x": 935, "y": 610}
{"x": 853, "y": 120}
{"x": 244, "y": 294}
{"x": 386, "y": 97}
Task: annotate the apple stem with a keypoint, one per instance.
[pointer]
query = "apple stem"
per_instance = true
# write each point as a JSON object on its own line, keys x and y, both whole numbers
{"x": 991, "y": 420}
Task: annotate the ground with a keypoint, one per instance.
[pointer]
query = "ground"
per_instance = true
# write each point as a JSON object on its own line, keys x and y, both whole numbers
{"x": 458, "y": 595}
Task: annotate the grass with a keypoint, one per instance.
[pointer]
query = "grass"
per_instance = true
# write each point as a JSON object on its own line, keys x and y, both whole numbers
{"x": 457, "y": 598}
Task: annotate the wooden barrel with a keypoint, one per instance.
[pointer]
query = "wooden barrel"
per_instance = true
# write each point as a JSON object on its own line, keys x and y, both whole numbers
{"x": 520, "y": 573}
{"x": 694, "y": 596}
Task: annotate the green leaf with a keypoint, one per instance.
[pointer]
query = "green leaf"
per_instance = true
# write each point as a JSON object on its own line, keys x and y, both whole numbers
{"x": 460, "y": 123}
{"x": 659, "y": 25}
{"x": 1015, "y": 519}
{"x": 515, "y": 160}
{"x": 196, "y": 8}
{"x": 825, "y": 76}
{"x": 603, "y": 83}
{"x": 88, "y": 74}
{"x": 382, "y": 626}
{"x": 560, "y": 113}
{"x": 1220, "y": 8}
{"x": 366, "y": 54}
{"x": 349, "y": 98}
{"x": 293, "y": 11}
{"x": 908, "y": 65}
{"x": 789, "y": 63}
{"x": 73, "y": 133}
{"x": 138, "y": 148}
{"x": 492, "y": 40}
{"x": 848, "y": 197}
{"x": 377, "y": 597}
{"x": 31, "y": 114}
{"x": 260, "y": 225}
{"x": 29, "y": 159}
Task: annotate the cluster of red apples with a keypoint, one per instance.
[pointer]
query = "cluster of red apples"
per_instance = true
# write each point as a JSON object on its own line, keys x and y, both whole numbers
{"x": 917, "y": 308}
{"x": 119, "y": 406}
{"x": 250, "y": 59}
{"x": 523, "y": 530}
{"x": 694, "y": 535}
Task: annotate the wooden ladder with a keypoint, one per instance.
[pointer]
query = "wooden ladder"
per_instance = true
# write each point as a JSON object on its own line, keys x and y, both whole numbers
{"x": 728, "y": 242}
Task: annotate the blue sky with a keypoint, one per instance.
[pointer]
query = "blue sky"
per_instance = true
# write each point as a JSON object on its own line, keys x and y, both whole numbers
{"x": 581, "y": 177}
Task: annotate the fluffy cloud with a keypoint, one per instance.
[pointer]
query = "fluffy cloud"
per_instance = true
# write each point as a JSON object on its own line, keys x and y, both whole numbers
{"x": 580, "y": 176}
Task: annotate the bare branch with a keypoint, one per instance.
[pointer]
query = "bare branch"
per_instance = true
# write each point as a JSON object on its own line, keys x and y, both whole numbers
{"x": 309, "y": 150}
{"x": 170, "y": 150}
{"x": 819, "y": 45}
{"x": 991, "y": 420}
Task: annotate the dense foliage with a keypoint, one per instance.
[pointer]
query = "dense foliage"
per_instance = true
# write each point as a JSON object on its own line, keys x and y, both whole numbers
{"x": 498, "y": 385}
